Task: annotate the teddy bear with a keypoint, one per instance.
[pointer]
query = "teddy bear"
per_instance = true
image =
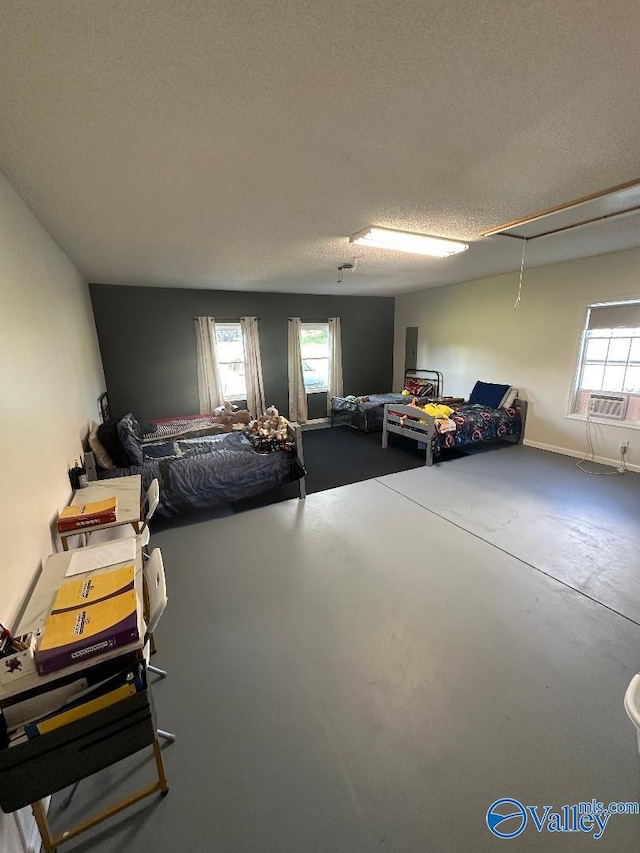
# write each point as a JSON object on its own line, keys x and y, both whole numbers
{"x": 270, "y": 425}
{"x": 227, "y": 418}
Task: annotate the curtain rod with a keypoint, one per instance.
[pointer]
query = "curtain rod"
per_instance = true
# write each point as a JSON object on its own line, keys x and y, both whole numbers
{"x": 237, "y": 320}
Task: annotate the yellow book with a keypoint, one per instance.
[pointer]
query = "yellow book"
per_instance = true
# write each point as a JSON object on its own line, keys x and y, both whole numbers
{"x": 93, "y": 587}
{"x": 88, "y": 510}
{"x": 72, "y": 636}
{"x": 90, "y": 707}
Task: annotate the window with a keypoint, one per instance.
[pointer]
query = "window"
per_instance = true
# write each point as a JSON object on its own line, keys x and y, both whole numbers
{"x": 610, "y": 356}
{"x": 230, "y": 348}
{"x": 314, "y": 344}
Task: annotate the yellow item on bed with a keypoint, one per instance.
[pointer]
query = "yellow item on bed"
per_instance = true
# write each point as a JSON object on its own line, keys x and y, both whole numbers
{"x": 437, "y": 410}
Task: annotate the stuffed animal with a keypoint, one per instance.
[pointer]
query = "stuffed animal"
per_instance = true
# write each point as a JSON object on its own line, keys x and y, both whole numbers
{"x": 438, "y": 410}
{"x": 270, "y": 425}
{"x": 228, "y": 418}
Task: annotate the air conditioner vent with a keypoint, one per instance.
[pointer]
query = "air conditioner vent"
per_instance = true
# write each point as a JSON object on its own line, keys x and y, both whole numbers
{"x": 610, "y": 406}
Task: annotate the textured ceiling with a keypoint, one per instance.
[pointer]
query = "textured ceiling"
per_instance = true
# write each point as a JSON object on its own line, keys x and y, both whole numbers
{"x": 231, "y": 144}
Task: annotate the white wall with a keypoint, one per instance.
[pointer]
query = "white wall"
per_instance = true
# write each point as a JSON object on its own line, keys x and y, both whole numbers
{"x": 50, "y": 379}
{"x": 470, "y": 331}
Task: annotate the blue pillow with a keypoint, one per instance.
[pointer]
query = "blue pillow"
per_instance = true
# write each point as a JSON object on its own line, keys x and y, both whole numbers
{"x": 488, "y": 394}
{"x": 128, "y": 429}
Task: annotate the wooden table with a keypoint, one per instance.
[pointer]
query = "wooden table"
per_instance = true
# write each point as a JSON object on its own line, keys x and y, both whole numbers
{"x": 125, "y": 489}
{"x": 46, "y": 764}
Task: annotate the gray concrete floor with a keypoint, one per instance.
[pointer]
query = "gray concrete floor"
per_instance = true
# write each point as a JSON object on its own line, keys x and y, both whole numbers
{"x": 356, "y": 673}
{"x": 581, "y": 529}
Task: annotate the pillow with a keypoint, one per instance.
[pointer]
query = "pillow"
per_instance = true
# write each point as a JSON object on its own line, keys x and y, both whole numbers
{"x": 99, "y": 450}
{"x": 509, "y": 397}
{"x": 128, "y": 430}
{"x": 488, "y": 394}
{"x": 147, "y": 428}
{"x": 110, "y": 440}
{"x": 419, "y": 387}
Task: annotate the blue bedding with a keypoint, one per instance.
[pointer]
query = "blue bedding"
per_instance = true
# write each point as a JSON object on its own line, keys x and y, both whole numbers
{"x": 208, "y": 471}
{"x": 476, "y": 423}
{"x": 366, "y": 415}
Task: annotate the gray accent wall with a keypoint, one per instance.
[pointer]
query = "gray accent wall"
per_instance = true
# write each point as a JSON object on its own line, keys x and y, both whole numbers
{"x": 148, "y": 344}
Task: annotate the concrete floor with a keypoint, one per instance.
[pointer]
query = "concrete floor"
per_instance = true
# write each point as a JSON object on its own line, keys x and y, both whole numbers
{"x": 538, "y": 506}
{"x": 356, "y": 673}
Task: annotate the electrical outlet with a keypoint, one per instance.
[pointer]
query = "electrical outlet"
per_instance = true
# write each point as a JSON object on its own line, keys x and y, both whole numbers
{"x": 624, "y": 446}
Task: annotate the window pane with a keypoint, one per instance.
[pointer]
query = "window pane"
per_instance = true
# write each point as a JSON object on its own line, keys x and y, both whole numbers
{"x": 635, "y": 350}
{"x": 592, "y": 377}
{"x": 232, "y": 378}
{"x": 314, "y": 345}
{"x": 230, "y": 349}
{"x": 597, "y": 349}
{"x": 228, "y": 332}
{"x": 618, "y": 349}
{"x": 314, "y": 341}
{"x": 229, "y": 343}
{"x": 613, "y": 378}
{"x": 316, "y": 373}
{"x": 632, "y": 380}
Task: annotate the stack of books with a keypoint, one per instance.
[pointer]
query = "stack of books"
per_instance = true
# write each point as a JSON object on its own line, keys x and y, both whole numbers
{"x": 87, "y": 515}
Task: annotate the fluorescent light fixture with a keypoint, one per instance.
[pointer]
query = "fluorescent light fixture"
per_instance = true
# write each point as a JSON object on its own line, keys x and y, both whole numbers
{"x": 405, "y": 241}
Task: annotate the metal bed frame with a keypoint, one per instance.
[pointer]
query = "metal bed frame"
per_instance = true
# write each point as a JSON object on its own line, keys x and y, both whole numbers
{"x": 358, "y": 420}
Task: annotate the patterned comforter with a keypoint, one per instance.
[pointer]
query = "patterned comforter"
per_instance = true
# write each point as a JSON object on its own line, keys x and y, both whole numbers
{"x": 477, "y": 423}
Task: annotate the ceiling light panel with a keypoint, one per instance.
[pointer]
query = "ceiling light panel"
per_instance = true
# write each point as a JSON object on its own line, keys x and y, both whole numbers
{"x": 406, "y": 241}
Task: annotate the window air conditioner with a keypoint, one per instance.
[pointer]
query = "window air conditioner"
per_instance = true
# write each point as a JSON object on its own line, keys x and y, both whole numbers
{"x": 610, "y": 406}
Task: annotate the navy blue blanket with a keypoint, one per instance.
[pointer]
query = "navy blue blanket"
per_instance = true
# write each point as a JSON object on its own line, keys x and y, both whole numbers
{"x": 208, "y": 471}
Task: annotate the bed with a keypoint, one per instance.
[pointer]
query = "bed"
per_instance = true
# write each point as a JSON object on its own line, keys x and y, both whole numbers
{"x": 366, "y": 413}
{"x": 200, "y": 467}
{"x": 472, "y": 424}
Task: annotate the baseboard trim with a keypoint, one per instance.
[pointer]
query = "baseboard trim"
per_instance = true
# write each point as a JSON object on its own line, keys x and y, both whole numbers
{"x": 565, "y": 451}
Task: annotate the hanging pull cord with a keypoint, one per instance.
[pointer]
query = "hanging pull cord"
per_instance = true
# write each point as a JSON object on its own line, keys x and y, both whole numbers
{"x": 516, "y": 304}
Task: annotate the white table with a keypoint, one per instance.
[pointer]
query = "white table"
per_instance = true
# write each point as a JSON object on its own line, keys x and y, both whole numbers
{"x": 136, "y": 720}
{"x": 39, "y": 607}
{"x": 125, "y": 489}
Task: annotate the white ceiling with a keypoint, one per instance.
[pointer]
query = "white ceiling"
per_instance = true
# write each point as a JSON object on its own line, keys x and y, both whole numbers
{"x": 233, "y": 144}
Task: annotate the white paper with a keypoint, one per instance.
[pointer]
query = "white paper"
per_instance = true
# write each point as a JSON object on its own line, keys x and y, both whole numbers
{"x": 88, "y": 559}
